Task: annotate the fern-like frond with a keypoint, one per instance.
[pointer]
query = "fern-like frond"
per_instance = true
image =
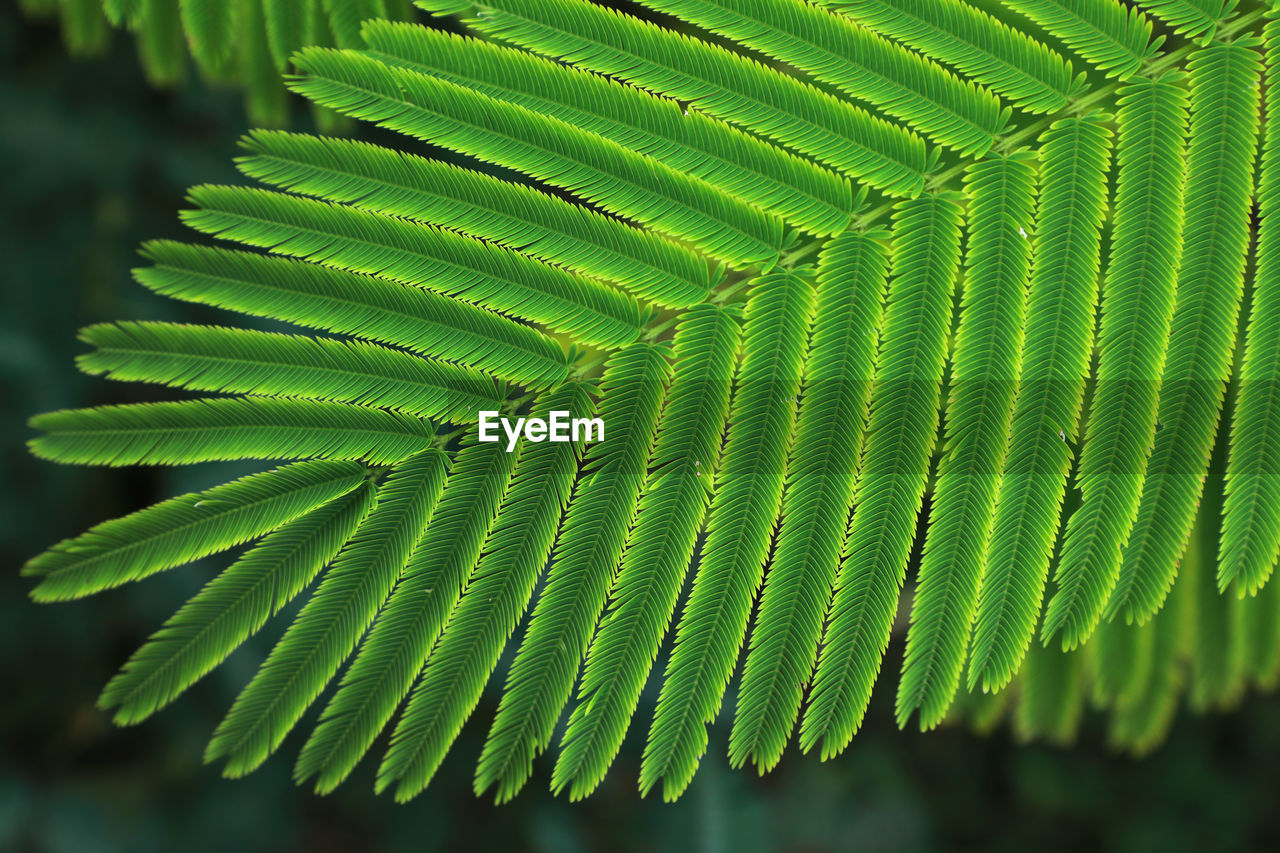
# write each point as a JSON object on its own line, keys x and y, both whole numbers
{"x": 830, "y": 48}
{"x": 161, "y": 44}
{"x": 1074, "y": 156}
{"x": 676, "y": 495}
{"x": 327, "y": 629}
{"x": 84, "y": 26}
{"x": 1122, "y": 661}
{"x": 207, "y": 430}
{"x": 1143, "y": 722}
{"x": 397, "y": 646}
{"x": 242, "y": 361}
{"x": 852, "y": 270}
{"x": 1137, "y": 307}
{"x": 1050, "y": 695}
{"x": 118, "y": 12}
{"x": 358, "y": 305}
{"x": 689, "y": 142}
{"x": 717, "y": 81}
{"x": 985, "y": 365}
{"x": 586, "y": 555}
{"x": 243, "y": 44}
{"x": 232, "y": 607}
{"x": 519, "y": 217}
{"x": 1265, "y": 656}
{"x": 347, "y": 16}
{"x": 266, "y": 99}
{"x": 739, "y": 528}
{"x": 901, "y": 433}
{"x": 286, "y": 29}
{"x": 1220, "y": 162}
{"x": 1216, "y": 633}
{"x": 514, "y": 555}
{"x": 1250, "y": 542}
{"x": 437, "y": 259}
{"x": 184, "y": 529}
{"x": 1010, "y": 62}
{"x": 1111, "y": 35}
{"x": 544, "y": 147}
{"x": 1195, "y": 19}
{"x": 209, "y": 25}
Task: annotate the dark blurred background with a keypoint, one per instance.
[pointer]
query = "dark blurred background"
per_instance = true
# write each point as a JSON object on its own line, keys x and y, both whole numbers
{"x": 95, "y": 161}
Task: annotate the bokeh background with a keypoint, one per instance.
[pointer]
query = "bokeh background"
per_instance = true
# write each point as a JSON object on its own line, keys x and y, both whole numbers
{"x": 92, "y": 162}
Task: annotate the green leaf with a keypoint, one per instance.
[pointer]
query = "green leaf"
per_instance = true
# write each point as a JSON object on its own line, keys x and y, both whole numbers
{"x": 514, "y": 555}
{"x": 433, "y": 258}
{"x": 1195, "y": 19}
{"x": 329, "y": 626}
{"x": 1107, "y": 33}
{"x": 516, "y": 216}
{"x": 209, "y": 25}
{"x": 1142, "y": 723}
{"x": 1220, "y": 163}
{"x": 689, "y": 142}
{"x": 542, "y": 147}
{"x": 240, "y": 361}
{"x": 207, "y": 430}
{"x": 346, "y": 16}
{"x": 985, "y": 367}
{"x": 84, "y": 27}
{"x": 858, "y": 62}
{"x": 821, "y": 472}
{"x": 184, "y": 529}
{"x": 1250, "y": 541}
{"x": 900, "y": 436}
{"x": 265, "y": 96}
{"x": 286, "y": 20}
{"x": 1050, "y": 695}
{"x": 397, "y": 646}
{"x": 232, "y": 607}
{"x": 363, "y": 306}
{"x": 643, "y": 597}
{"x": 975, "y": 43}
{"x": 1216, "y": 634}
{"x": 1074, "y": 155}
{"x": 743, "y": 513}
{"x": 717, "y": 81}
{"x": 161, "y": 46}
{"x": 1137, "y": 307}
{"x": 583, "y": 564}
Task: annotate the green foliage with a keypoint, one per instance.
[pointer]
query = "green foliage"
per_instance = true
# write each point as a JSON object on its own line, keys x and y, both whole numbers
{"x": 736, "y": 162}
{"x": 895, "y": 465}
{"x": 731, "y": 568}
{"x": 237, "y": 43}
{"x": 239, "y": 361}
{"x": 587, "y": 553}
{"x": 984, "y": 374}
{"x": 1074, "y": 155}
{"x": 232, "y": 607}
{"x": 674, "y": 501}
{"x": 821, "y": 475}
{"x": 1220, "y": 163}
{"x": 329, "y": 626}
{"x": 683, "y": 233}
{"x": 1110, "y": 35}
{"x": 1192, "y": 18}
{"x": 1011, "y": 63}
{"x": 1137, "y": 306}
{"x": 1251, "y": 521}
{"x": 859, "y": 63}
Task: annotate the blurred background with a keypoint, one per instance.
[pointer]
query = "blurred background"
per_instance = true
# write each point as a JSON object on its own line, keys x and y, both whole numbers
{"x": 94, "y": 162}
